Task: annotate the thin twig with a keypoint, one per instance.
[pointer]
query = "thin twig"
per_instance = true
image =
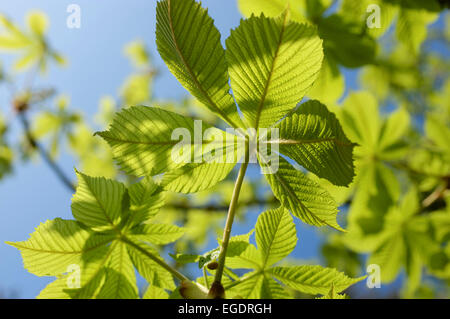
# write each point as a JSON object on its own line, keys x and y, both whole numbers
{"x": 47, "y": 158}
{"x": 222, "y": 208}
{"x": 435, "y": 195}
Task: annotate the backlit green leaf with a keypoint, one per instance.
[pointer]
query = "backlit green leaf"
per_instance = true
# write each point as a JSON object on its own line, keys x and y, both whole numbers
{"x": 190, "y": 45}
{"x": 272, "y": 64}
{"x": 313, "y": 137}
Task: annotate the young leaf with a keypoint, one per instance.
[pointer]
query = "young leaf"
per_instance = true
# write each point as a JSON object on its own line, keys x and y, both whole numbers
{"x": 189, "y": 43}
{"x": 390, "y": 256}
{"x": 276, "y": 238}
{"x": 333, "y": 295}
{"x": 149, "y": 269}
{"x": 274, "y": 8}
{"x": 154, "y": 292}
{"x": 58, "y": 243}
{"x": 103, "y": 259}
{"x": 275, "y": 235}
{"x": 37, "y": 23}
{"x": 250, "y": 258}
{"x": 159, "y": 234}
{"x": 258, "y": 287}
{"x": 313, "y": 279}
{"x": 313, "y": 137}
{"x": 273, "y": 62}
{"x": 412, "y": 27}
{"x": 349, "y": 46}
{"x": 361, "y": 121}
{"x": 98, "y": 202}
{"x": 146, "y": 198}
{"x": 194, "y": 177}
{"x": 142, "y": 143}
{"x": 330, "y": 83}
{"x": 120, "y": 281}
{"x": 91, "y": 282}
{"x": 305, "y": 198}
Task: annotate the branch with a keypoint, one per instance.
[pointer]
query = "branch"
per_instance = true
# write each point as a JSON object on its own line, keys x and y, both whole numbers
{"x": 435, "y": 195}
{"x": 221, "y": 208}
{"x": 47, "y": 158}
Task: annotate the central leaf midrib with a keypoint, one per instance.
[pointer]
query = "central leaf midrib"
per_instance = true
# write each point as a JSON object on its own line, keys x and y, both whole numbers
{"x": 191, "y": 72}
{"x": 63, "y": 252}
{"x": 103, "y": 209}
{"x": 271, "y": 243}
{"x": 266, "y": 89}
{"x": 309, "y": 141}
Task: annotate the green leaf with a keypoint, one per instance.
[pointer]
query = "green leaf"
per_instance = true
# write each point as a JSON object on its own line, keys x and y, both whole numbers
{"x": 136, "y": 89}
{"x": 149, "y": 269}
{"x": 12, "y": 39}
{"x": 137, "y": 53}
{"x": 250, "y": 258}
{"x": 357, "y": 12}
{"x": 142, "y": 143}
{"x": 305, "y": 198}
{"x": 412, "y": 27}
{"x": 333, "y": 295}
{"x": 26, "y": 60}
{"x": 193, "y": 177}
{"x": 146, "y": 199}
{"x": 390, "y": 256}
{"x": 345, "y": 42}
{"x": 273, "y": 62}
{"x": 361, "y": 122}
{"x": 438, "y": 131}
{"x": 120, "y": 281}
{"x": 313, "y": 279}
{"x": 92, "y": 280}
{"x": 330, "y": 84}
{"x": 313, "y": 137}
{"x": 98, "y": 202}
{"x": 441, "y": 224}
{"x": 154, "y": 292}
{"x": 258, "y": 287}
{"x": 392, "y": 132}
{"x": 190, "y": 45}
{"x": 276, "y": 236}
{"x": 158, "y": 234}
{"x": 37, "y": 23}
{"x": 58, "y": 243}
{"x": 274, "y": 8}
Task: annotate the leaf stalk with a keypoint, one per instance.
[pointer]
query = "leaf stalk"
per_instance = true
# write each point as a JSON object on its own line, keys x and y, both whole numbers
{"x": 229, "y": 224}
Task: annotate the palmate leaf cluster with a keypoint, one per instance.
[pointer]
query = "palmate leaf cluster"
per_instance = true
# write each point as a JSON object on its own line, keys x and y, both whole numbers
{"x": 270, "y": 63}
{"x": 107, "y": 241}
{"x": 268, "y": 77}
{"x": 388, "y": 173}
{"x": 31, "y": 43}
{"x": 276, "y": 238}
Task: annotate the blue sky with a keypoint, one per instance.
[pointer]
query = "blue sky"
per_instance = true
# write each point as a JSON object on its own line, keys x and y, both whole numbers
{"x": 95, "y": 51}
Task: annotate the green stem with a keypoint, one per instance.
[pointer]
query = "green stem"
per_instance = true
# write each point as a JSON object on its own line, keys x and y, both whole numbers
{"x": 205, "y": 275}
{"x": 230, "y": 274}
{"x": 230, "y": 219}
{"x": 157, "y": 260}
